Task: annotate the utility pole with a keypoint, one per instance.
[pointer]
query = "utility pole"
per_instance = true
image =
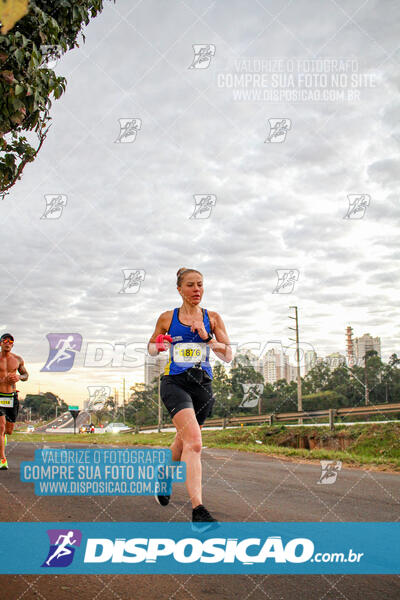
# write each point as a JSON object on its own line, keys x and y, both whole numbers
{"x": 299, "y": 394}
{"x": 366, "y": 380}
{"x": 123, "y": 393}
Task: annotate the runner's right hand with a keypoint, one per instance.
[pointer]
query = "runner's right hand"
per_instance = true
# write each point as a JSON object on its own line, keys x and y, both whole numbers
{"x": 160, "y": 342}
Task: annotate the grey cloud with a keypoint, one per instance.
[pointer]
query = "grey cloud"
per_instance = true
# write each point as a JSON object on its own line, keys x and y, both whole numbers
{"x": 385, "y": 171}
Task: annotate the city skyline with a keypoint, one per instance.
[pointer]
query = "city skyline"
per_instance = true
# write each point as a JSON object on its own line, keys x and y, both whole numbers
{"x": 113, "y": 377}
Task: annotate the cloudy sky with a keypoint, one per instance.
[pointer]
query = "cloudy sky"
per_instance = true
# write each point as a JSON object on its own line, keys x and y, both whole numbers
{"x": 275, "y": 205}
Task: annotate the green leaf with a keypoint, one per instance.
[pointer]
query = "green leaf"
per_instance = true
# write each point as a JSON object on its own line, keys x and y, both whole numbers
{"x": 18, "y": 89}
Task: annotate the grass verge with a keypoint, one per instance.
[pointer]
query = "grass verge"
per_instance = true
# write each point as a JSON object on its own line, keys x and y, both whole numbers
{"x": 373, "y": 445}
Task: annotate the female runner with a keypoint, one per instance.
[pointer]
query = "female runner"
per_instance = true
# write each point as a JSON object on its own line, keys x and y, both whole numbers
{"x": 188, "y": 334}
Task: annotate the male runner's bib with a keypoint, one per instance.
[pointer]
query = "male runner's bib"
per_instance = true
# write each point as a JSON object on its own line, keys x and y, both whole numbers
{"x": 188, "y": 348}
{"x": 7, "y": 399}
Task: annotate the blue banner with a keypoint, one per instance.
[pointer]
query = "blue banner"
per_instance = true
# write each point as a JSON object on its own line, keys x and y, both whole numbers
{"x": 262, "y": 548}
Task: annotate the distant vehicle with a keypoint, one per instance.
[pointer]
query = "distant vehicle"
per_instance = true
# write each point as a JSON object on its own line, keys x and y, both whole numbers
{"x": 116, "y": 428}
{"x": 30, "y": 428}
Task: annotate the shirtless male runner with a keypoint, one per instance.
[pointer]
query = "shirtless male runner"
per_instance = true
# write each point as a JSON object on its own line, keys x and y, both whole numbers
{"x": 9, "y": 405}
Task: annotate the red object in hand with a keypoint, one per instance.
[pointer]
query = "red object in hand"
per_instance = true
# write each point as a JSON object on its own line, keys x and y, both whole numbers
{"x": 160, "y": 339}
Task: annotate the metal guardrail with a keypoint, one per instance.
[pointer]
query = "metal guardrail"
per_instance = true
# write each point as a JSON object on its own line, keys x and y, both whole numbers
{"x": 271, "y": 418}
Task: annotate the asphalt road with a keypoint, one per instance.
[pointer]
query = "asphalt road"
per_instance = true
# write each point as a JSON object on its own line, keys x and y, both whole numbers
{"x": 237, "y": 487}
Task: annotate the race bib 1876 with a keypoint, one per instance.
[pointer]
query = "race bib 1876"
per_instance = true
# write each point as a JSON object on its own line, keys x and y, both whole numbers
{"x": 189, "y": 352}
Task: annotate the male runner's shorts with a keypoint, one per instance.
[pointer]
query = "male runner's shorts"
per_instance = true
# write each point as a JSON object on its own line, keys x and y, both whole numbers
{"x": 12, "y": 412}
{"x": 191, "y": 389}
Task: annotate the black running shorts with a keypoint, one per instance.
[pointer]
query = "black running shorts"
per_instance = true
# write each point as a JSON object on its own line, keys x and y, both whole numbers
{"x": 11, "y": 413}
{"x": 191, "y": 389}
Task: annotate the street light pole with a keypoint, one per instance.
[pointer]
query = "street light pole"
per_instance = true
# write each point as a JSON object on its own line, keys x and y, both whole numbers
{"x": 299, "y": 392}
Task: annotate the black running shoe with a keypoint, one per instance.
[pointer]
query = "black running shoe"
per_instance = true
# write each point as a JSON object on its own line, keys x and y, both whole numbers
{"x": 202, "y": 520}
{"x": 163, "y": 500}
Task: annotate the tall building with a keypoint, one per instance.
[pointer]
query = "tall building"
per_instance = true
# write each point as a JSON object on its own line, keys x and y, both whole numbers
{"x": 292, "y": 373}
{"x": 335, "y": 359}
{"x": 350, "y": 346}
{"x": 310, "y": 360}
{"x": 154, "y": 366}
{"x": 365, "y": 344}
{"x": 275, "y": 365}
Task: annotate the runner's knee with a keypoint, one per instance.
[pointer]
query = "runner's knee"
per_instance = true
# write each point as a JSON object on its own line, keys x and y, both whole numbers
{"x": 194, "y": 445}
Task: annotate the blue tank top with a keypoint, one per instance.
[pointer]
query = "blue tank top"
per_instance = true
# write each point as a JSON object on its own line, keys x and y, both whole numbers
{"x": 187, "y": 347}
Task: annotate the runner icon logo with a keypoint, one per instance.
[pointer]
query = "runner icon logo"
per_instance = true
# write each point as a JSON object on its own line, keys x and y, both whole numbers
{"x": 286, "y": 281}
{"x": 252, "y": 393}
{"x": 278, "y": 129}
{"x": 128, "y": 129}
{"x": 62, "y": 547}
{"x": 203, "y": 54}
{"x": 98, "y": 396}
{"x": 55, "y": 204}
{"x": 358, "y": 204}
{"x": 330, "y": 470}
{"x": 63, "y": 347}
{"x": 132, "y": 280}
{"x": 203, "y": 204}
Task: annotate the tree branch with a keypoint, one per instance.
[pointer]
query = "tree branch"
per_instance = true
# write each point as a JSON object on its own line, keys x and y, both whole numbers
{"x": 42, "y": 137}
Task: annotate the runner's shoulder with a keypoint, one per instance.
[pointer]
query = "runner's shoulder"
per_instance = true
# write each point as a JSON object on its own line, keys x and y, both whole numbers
{"x": 214, "y": 317}
{"x": 165, "y": 318}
